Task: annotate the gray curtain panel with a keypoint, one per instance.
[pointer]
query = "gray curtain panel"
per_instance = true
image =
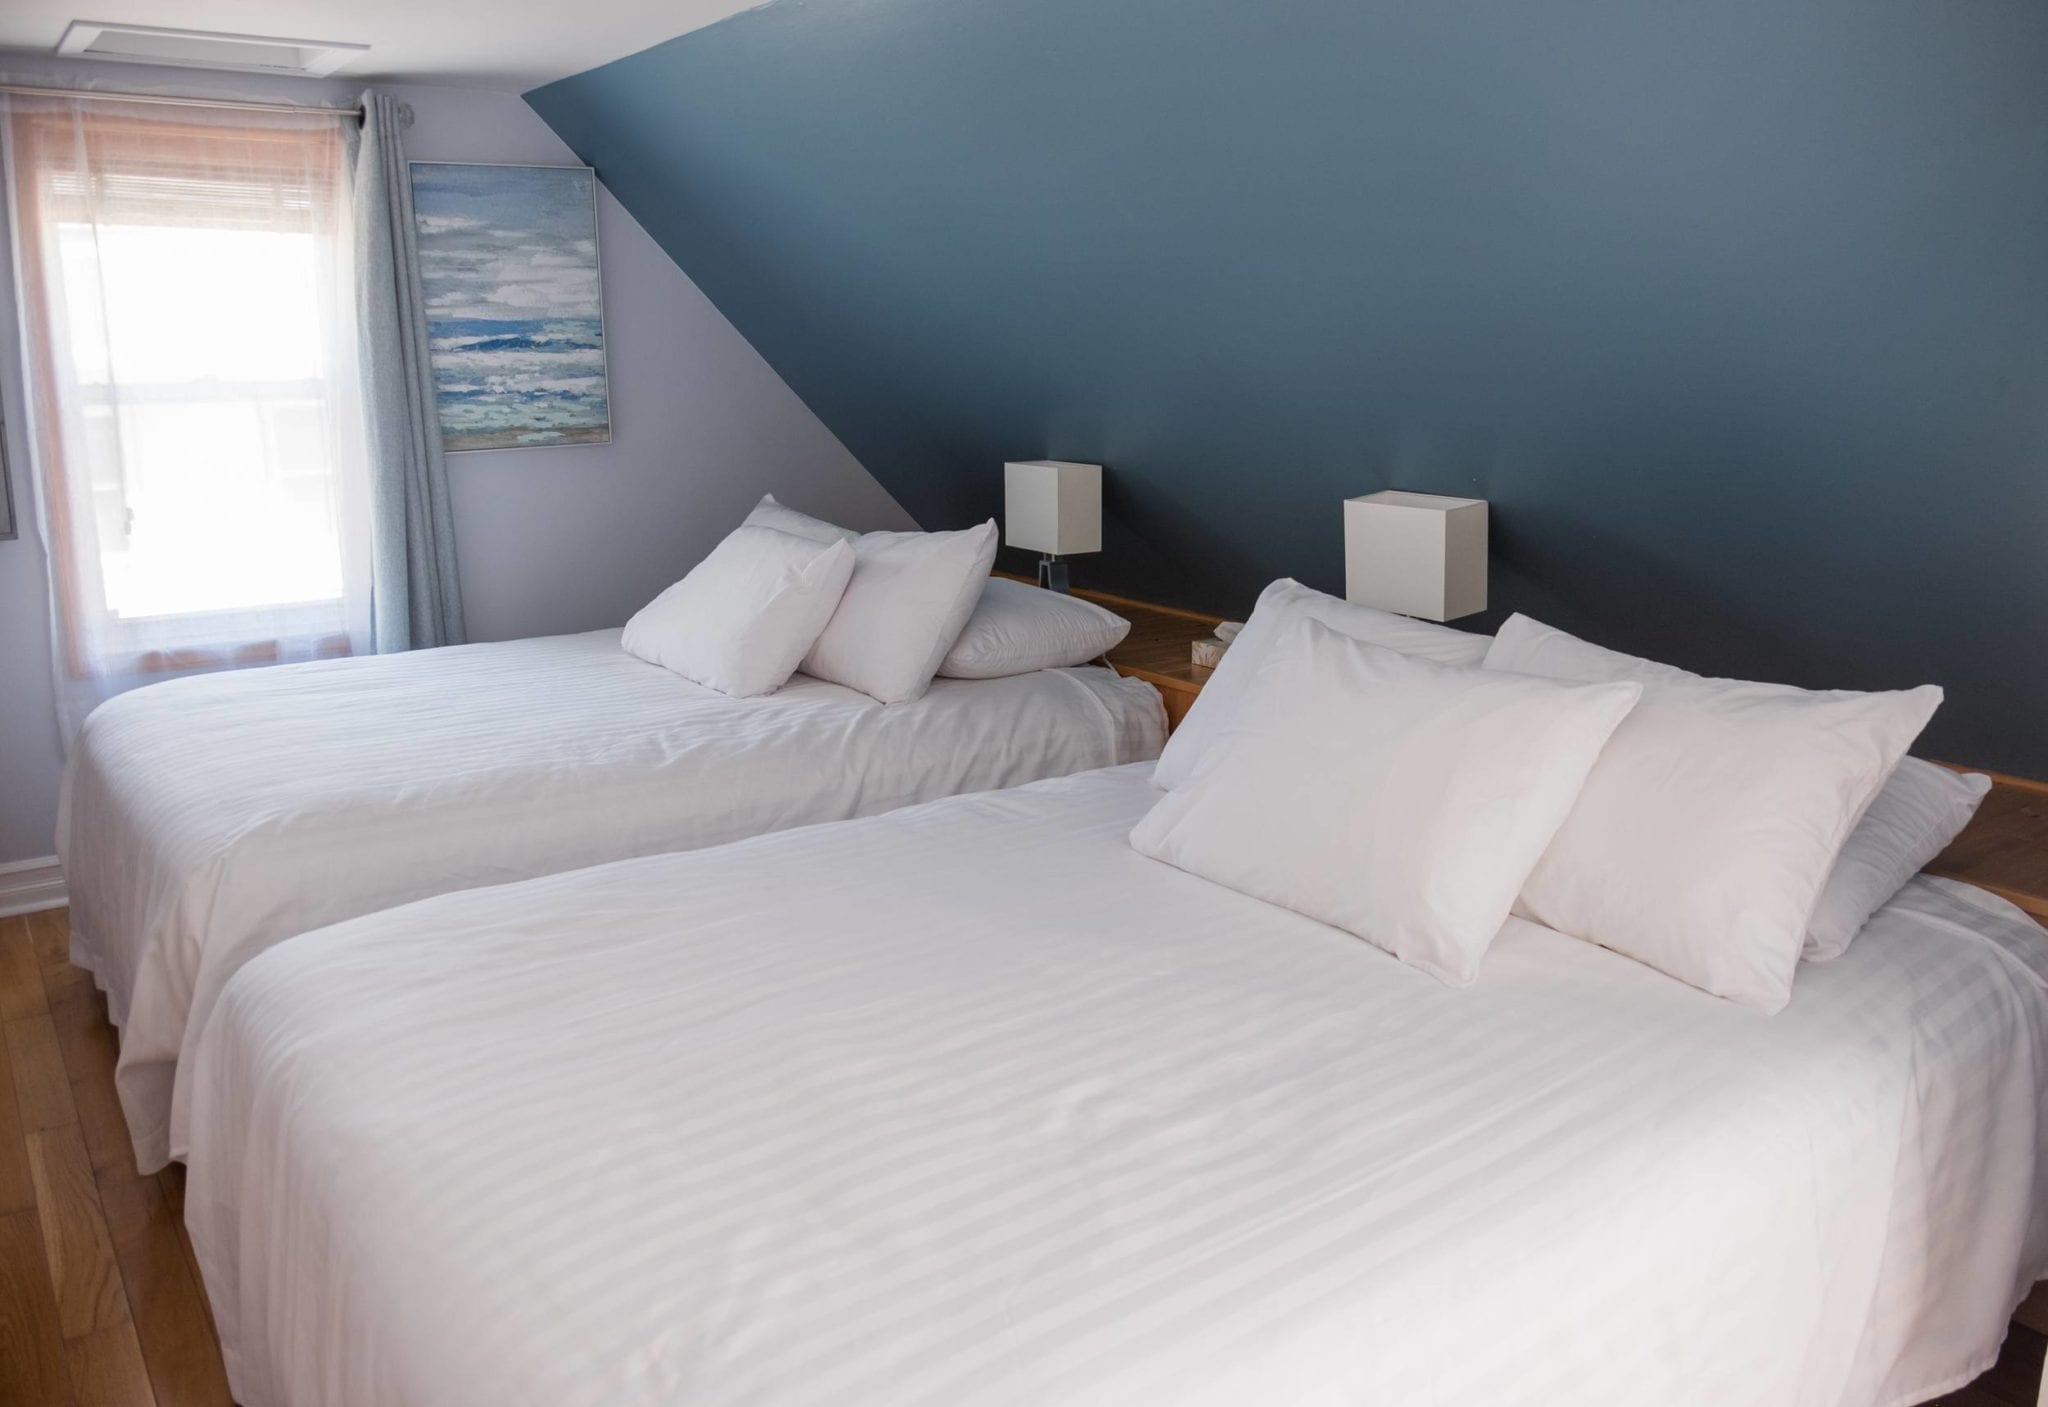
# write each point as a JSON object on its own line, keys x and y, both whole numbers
{"x": 415, "y": 601}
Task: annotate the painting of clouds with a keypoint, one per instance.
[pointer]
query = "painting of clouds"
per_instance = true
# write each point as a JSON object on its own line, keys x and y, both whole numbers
{"x": 508, "y": 268}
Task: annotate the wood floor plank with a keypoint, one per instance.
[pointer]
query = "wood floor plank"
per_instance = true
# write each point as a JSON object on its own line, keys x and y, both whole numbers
{"x": 171, "y": 1318}
{"x": 75, "y": 1240}
{"x": 50, "y": 931}
{"x": 41, "y": 1088}
{"x": 107, "y": 1369}
{"x": 2016, "y": 1376}
{"x": 2034, "y": 1313}
{"x": 21, "y": 973}
{"x": 90, "y": 1050}
{"x": 33, "y": 1365}
{"x": 1969, "y": 1397}
{"x": 17, "y": 1188}
{"x": 172, "y": 1180}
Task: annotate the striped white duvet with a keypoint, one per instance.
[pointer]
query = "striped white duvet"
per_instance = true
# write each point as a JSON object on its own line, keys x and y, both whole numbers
{"x": 972, "y": 1105}
{"x": 209, "y": 818}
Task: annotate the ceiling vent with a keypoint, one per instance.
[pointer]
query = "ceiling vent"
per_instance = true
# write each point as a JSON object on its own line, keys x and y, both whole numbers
{"x": 198, "y": 48}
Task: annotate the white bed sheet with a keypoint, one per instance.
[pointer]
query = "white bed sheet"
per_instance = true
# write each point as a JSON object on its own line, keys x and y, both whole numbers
{"x": 209, "y": 818}
{"x": 973, "y": 1106}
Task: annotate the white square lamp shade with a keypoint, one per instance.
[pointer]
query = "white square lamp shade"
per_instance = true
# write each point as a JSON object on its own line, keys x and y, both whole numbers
{"x": 1417, "y": 554}
{"x": 1052, "y": 507}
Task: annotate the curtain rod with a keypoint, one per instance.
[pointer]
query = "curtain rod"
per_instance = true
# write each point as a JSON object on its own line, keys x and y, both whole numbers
{"x": 246, "y": 105}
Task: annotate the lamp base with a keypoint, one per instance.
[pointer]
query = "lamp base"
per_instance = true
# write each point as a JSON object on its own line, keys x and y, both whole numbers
{"x": 1052, "y": 574}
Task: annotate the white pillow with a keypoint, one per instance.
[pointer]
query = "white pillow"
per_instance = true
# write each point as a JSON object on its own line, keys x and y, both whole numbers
{"x": 1279, "y": 606}
{"x": 770, "y": 514}
{"x": 1398, "y": 799}
{"x": 1709, "y": 825}
{"x": 909, "y": 596}
{"x": 745, "y": 615}
{"x": 1919, "y": 811}
{"x": 1017, "y": 628}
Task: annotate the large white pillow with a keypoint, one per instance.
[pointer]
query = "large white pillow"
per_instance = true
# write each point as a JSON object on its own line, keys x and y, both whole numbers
{"x": 1017, "y": 628}
{"x": 1279, "y": 606}
{"x": 746, "y": 614}
{"x": 1398, "y": 799}
{"x": 1920, "y": 809}
{"x": 1709, "y": 825}
{"x": 770, "y": 514}
{"x": 909, "y": 596}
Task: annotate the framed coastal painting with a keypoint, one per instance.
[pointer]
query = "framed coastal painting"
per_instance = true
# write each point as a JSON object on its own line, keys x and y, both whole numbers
{"x": 514, "y": 303}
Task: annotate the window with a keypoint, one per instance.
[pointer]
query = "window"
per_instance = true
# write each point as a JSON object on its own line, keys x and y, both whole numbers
{"x": 186, "y": 285}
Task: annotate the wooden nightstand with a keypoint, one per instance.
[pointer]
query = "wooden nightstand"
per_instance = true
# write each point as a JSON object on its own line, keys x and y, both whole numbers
{"x": 2005, "y": 848}
{"x": 1157, "y": 649}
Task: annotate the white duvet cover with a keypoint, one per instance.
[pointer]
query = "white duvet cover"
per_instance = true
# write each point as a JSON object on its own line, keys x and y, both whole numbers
{"x": 972, "y": 1105}
{"x": 210, "y": 818}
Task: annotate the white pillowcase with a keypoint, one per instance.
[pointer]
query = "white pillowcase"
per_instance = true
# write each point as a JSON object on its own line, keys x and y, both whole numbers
{"x": 1919, "y": 811}
{"x": 909, "y": 596}
{"x": 1017, "y": 628}
{"x": 1279, "y": 606}
{"x": 770, "y": 514}
{"x": 746, "y": 614}
{"x": 1398, "y": 799}
{"x": 1711, "y": 822}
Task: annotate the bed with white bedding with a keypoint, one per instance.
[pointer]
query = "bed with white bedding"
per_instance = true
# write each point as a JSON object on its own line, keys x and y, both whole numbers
{"x": 209, "y": 818}
{"x": 992, "y": 1110}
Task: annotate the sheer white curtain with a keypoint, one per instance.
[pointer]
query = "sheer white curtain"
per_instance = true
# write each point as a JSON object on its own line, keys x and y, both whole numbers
{"x": 187, "y": 294}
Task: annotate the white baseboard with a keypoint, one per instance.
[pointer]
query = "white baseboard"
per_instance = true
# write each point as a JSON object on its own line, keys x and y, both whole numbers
{"x": 27, "y": 886}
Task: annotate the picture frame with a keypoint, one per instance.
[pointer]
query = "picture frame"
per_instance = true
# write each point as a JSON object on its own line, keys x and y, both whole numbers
{"x": 511, "y": 276}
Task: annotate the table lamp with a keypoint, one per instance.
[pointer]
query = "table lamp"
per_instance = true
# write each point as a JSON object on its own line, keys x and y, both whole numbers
{"x": 1418, "y": 554}
{"x": 1054, "y": 508}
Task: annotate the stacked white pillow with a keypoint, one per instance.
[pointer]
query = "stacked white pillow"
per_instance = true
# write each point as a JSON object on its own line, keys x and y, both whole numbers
{"x": 1279, "y": 607}
{"x": 1010, "y": 628}
{"x": 770, "y": 514}
{"x": 1920, "y": 810}
{"x": 878, "y": 612}
{"x": 908, "y": 600}
{"x": 746, "y": 614}
{"x": 905, "y": 604}
{"x": 873, "y": 611}
{"x": 1713, "y": 819}
{"x": 1400, "y": 799}
{"x": 1017, "y": 628}
{"x": 1350, "y": 765}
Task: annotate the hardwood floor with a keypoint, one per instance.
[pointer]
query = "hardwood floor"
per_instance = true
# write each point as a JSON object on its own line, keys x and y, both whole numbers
{"x": 2014, "y": 1381}
{"x": 100, "y": 1300}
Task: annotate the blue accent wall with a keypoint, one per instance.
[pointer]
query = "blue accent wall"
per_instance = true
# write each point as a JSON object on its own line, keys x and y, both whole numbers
{"x": 1737, "y": 310}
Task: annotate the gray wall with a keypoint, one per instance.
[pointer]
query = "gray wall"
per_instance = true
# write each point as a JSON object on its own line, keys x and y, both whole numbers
{"x": 574, "y": 538}
{"x": 550, "y": 540}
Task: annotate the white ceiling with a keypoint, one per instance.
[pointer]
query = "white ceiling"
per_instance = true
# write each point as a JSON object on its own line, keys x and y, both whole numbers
{"x": 509, "y": 44}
